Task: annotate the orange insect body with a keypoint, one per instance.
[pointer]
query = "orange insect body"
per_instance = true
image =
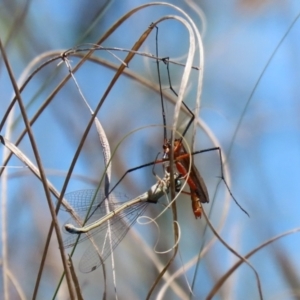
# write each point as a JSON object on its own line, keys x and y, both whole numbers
{"x": 198, "y": 190}
{"x": 196, "y": 205}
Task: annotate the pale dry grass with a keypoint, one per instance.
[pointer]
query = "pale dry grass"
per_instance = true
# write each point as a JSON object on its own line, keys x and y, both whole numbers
{"x": 74, "y": 112}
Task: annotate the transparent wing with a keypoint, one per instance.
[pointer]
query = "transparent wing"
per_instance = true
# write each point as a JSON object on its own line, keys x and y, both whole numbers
{"x": 80, "y": 200}
{"x": 119, "y": 225}
{"x": 98, "y": 214}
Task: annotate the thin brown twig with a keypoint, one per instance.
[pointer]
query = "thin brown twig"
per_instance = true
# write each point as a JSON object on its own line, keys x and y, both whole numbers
{"x": 75, "y": 279}
{"x": 11, "y": 105}
{"x": 112, "y": 83}
{"x": 41, "y": 169}
{"x": 221, "y": 281}
{"x": 243, "y": 258}
{"x": 75, "y": 51}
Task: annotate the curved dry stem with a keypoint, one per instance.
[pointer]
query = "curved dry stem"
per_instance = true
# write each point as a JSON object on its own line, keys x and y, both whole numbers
{"x": 144, "y": 82}
{"x": 40, "y": 110}
{"x": 114, "y": 80}
{"x": 107, "y": 158}
{"x": 22, "y": 157}
{"x": 242, "y": 258}
{"x": 199, "y": 122}
{"x": 75, "y": 279}
{"x": 183, "y": 85}
{"x": 28, "y": 79}
{"x": 119, "y": 71}
{"x": 221, "y": 281}
{"x": 200, "y": 14}
{"x": 116, "y": 148}
{"x": 40, "y": 167}
{"x": 62, "y": 54}
{"x": 76, "y": 51}
{"x": 16, "y": 284}
{"x": 129, "y": 14}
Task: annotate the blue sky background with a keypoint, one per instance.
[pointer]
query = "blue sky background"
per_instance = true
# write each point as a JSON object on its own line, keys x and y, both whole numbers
{"x": 264, "y": 160}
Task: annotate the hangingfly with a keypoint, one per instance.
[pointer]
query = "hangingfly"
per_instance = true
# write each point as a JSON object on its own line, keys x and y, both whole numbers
{"x": 182, "y": 159}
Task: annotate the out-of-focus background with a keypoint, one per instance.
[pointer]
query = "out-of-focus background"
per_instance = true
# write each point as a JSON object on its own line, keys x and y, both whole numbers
{"x": 239, "y": 39}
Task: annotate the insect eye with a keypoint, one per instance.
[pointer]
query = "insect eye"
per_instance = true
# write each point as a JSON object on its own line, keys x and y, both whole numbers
{"x": 177, "y": 185}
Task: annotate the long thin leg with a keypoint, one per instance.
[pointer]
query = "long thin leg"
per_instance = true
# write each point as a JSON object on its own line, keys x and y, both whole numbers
{"x": 160, "y": 89}
{"x": 222, "y": 172}
{"x": 166, "y": 61}
{"x": 178, "y": 158}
